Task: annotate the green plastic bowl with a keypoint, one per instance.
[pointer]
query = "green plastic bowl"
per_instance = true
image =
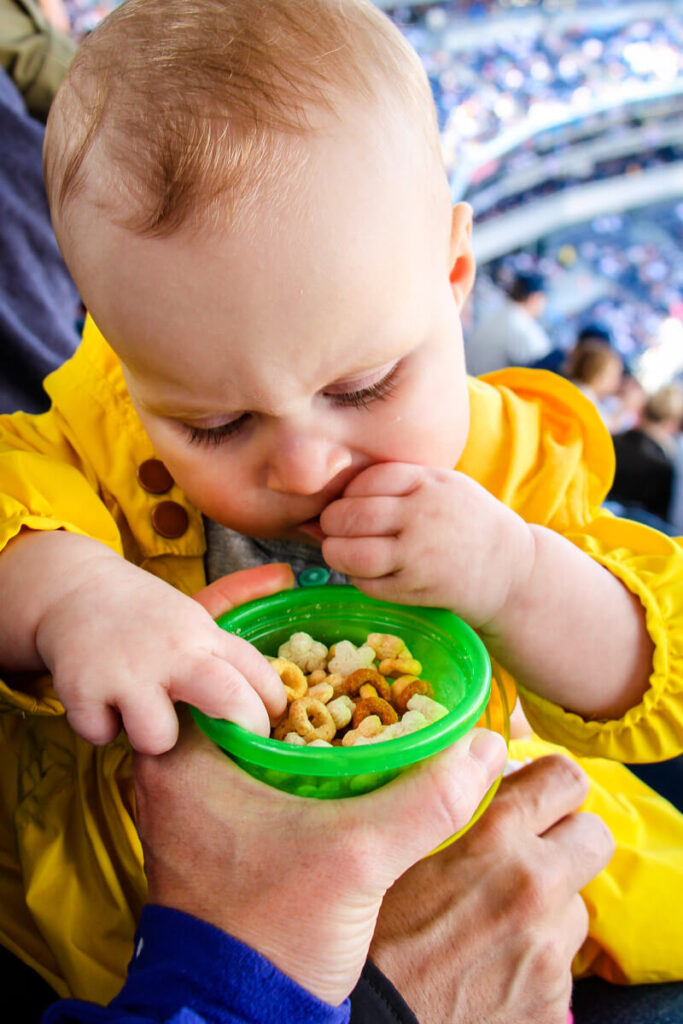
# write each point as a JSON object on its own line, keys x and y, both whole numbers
{"x": 453, "y": 657}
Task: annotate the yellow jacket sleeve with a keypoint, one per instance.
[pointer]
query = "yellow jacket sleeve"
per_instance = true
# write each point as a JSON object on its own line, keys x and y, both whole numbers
{"x": 540, "y": 446}
{"x": 44, "y": 485}
{"x": 651, "y": 566}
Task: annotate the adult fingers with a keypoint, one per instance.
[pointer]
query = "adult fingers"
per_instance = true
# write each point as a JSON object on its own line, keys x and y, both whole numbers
{"x": 229, "y": 591}
{"x": 585, "y": 843}
{"x": 421, "y": 809}
{"x": 541, "y": 794}
{"x": 194, "y": 755}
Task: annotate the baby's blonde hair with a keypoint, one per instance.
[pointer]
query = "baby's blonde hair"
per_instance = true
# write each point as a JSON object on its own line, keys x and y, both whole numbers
{"x": 194, "y": 104}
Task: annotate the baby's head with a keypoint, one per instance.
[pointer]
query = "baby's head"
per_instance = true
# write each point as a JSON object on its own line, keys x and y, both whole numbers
{"x": 250, "y": 197}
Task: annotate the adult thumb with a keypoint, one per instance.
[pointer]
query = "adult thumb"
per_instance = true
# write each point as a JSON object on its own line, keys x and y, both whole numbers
{"x": 427, "y": 805}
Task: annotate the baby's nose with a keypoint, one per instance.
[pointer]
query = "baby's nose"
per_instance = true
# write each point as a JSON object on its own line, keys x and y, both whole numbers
{"x": 305, "y": 464}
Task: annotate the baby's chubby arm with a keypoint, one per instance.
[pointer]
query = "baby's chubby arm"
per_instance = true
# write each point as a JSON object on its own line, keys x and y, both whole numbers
{"x": 562, "y": 624}
{"x": 123, "y": 645}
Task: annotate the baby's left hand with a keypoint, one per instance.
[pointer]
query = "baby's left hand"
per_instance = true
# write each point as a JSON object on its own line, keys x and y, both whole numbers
{"x": 419, "y": 535}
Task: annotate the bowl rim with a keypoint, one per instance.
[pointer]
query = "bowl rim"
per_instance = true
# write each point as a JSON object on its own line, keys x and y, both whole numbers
{"x": 381, "y": 757}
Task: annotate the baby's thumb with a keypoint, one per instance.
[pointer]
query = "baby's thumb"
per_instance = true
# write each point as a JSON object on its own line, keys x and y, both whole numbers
{"x": 423, "y": 808}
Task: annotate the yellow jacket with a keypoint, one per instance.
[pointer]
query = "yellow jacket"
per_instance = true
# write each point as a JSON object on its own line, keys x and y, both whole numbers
{"x": 71, "y": 880}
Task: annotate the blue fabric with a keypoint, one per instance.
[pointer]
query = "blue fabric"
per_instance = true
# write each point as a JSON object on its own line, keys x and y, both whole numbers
{"x": 187, "y": 972}
{"x": 39, "y": 304}
{"x": 595, "y": 1001}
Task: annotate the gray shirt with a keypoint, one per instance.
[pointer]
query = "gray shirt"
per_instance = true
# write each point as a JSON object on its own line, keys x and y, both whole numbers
{"x": 228, "y": 551}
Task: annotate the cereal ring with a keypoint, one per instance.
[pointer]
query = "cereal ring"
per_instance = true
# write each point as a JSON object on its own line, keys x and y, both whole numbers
{"x": 386, "y": 645}
{"x": 283, "y": 727}
{"x": 400, "y": 667}
{"x": 408, "y": 690}
{"x": 374, "y": 706}
{"x": 319, "y": 676}
{"x": 293, "y": 679}
{"x": 353, "y": 683}
{"x": 311, "y": 719}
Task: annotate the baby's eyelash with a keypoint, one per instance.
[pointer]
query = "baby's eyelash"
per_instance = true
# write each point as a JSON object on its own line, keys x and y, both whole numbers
{"x": 366, "y": 396}
{"x": 361, "y": 399}
{"x": 214, "y": 435}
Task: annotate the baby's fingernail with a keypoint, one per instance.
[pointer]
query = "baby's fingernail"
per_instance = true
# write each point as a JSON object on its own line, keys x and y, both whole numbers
{"x": 490, "y": 749}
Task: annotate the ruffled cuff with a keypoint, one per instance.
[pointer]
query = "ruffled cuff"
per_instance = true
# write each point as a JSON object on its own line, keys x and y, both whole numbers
{"x": 652, "y": 730}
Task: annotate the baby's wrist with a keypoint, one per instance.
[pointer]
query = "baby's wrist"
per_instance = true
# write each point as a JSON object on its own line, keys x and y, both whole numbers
{"x": 518, "y": 543}
{"x": 71, "y": 577}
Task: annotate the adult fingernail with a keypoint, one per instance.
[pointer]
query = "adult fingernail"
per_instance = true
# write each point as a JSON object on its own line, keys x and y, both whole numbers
{"x": 490, "y": 749}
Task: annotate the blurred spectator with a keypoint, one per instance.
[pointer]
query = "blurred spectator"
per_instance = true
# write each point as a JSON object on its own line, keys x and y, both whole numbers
{"x": 556, "y": 359}
{"x": 625, "y": 410}
{"x": 510, "y": 334}
{"x": 596, "y": 369}
{"x": 646, "y": 456}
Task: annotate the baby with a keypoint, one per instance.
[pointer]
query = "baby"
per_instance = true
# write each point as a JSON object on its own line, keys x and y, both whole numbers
{"x": 250, "y": 197}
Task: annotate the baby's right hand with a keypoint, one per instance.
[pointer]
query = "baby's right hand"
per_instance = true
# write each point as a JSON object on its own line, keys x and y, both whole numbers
{"x": 123, "y": 646}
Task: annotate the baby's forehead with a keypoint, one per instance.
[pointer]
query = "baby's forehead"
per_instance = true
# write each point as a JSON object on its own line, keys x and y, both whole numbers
{"x": 198, "y": 102}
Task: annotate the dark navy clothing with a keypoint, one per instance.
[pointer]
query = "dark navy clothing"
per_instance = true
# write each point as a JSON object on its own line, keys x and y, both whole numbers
{"x": 187, "y": 972}
{"x": 39, "y": 304}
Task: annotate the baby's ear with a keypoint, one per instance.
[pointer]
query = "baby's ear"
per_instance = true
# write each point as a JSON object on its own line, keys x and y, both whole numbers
{"x": 462, "y": 262}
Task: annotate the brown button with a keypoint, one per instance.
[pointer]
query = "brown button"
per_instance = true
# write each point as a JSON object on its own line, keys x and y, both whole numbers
{"x": 154, "y": 477}
{"x": 170, "y": 519}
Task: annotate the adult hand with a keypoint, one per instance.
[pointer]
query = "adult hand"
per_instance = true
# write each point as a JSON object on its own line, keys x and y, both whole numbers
{"x": 485, "y": 931}
{"x": 299, "y": 880}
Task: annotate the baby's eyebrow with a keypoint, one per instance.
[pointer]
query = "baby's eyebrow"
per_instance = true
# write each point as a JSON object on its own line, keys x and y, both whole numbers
{"x": 354, "y": 380}
{"x": 174, "y": 411}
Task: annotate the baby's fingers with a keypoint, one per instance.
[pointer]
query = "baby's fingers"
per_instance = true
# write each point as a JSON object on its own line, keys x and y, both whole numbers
{"x": 256, "y": 669}
{"x": 220, "y": 690}
{"x": 95, "y": 721}
{"x": 149, "y": 719}
{"x": 363, "y": 557}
